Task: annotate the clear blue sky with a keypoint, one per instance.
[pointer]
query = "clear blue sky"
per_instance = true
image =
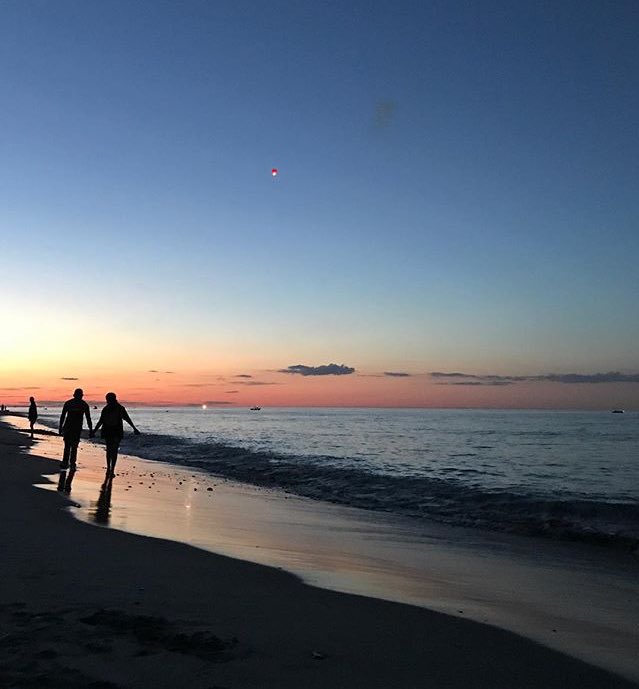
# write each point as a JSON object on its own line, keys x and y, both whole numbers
{"x": 459, "y": 182}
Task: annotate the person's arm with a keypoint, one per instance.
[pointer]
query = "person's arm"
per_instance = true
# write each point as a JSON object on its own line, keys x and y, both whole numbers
{"x": 127, "y": 418}
{"x": 62, "y": 417}
{"x": 87, "y": 413}
{"x": 97, "y": 426}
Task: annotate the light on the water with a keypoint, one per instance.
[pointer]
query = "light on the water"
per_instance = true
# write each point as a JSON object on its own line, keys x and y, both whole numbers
{"x": 204, "y": 406}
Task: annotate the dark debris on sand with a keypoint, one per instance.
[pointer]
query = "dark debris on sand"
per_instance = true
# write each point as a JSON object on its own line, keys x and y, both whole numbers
{"x": 160, "y": 633}
{"x": 48, "y": 650}
{"x": 56, "y": 678}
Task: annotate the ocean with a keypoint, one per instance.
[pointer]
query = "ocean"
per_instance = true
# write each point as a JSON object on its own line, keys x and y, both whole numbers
{"x": 556, "y": 474}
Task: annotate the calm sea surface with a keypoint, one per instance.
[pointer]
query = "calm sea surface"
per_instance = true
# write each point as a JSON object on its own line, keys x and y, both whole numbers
{"x": 559, "y": 474}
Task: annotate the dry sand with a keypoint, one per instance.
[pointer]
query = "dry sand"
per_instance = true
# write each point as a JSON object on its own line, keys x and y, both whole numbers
{"x": 88, "y": 607}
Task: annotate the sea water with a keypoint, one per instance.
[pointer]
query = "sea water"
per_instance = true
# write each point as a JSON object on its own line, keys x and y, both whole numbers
{"x": 559, "y": 474}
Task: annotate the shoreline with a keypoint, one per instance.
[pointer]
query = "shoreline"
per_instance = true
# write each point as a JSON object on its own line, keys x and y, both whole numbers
{"x": 405, "y": 637}
{"x": 455, "y": 479}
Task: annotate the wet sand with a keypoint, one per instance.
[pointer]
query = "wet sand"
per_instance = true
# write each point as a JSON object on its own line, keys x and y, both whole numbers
{"x": 289, "y": 634}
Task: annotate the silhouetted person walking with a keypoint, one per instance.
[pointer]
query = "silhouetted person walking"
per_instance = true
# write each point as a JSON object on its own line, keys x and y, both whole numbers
{"x": 113, "y": 429}
{"x": 71, "y": 420}
{"x": 33, "y": 413}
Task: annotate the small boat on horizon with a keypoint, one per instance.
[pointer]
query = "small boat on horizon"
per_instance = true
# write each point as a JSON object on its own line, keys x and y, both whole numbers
{"x": 618, "y": 411}
{"x": 255, "y": 408}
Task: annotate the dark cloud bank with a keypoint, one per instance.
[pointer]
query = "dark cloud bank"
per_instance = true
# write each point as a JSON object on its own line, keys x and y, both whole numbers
{"x": 455, "y": 378}
{"x": 397, "y": 374}
{"x": 325, "y": 370}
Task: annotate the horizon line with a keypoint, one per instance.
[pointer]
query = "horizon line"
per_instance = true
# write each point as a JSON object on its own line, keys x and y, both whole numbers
{"x": 210, "y": 407}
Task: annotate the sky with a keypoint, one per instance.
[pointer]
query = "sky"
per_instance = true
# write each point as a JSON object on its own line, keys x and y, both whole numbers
{"x": 458, "y": 193}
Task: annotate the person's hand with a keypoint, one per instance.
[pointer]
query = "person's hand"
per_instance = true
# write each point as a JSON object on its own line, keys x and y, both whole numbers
{"x": 136, "y": 432}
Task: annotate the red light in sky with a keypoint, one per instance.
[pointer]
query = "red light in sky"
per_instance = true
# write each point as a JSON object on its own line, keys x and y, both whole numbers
{"x": 274, "y": 172}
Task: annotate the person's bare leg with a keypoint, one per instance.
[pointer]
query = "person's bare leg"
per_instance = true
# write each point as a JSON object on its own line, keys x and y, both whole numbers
{"x": 114, "y": 459}
{"x": 73, "y": 455}
{"x": 65, "y": 454}
{"x": 112, "y": 456}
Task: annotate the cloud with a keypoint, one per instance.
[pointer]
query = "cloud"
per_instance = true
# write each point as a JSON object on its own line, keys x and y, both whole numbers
{"x": 253, "y": 382}
{"x": 232, "y": 392}
{"x": 217, "y": 402}
{"x": 325, "y": 370}
{"x": 68, "y": 378}
{"x": 456, "y": 378}
{"x": 485, "y": 378}
{"x": 169, "y": 371}
{"x": 194, "y": 385}
{"x": 397, "y": 374}
{"x": 242, "y": 375}
{"x": 479, "y": 382}
{"x": 25, "y": 387}
{"x": 153, "y": 370}
{"x": 609, "y": 377}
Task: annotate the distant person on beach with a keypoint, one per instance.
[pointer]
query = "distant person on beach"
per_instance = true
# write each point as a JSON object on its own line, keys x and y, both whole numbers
{"x": 71, "y": 420}
{"x": 33, "y": 413}
{"x": 110, "y": 421}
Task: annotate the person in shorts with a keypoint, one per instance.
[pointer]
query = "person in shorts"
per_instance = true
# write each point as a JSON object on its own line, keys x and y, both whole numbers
{"x": 112, "y": 431}
{"x": 71, "y": 420}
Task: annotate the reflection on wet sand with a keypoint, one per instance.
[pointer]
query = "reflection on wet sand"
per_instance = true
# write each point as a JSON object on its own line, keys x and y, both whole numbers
{"x": 100, "y": 511}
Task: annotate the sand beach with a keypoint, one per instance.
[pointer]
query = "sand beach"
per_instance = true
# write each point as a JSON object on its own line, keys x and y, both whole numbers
{"x": 83, "y": 605}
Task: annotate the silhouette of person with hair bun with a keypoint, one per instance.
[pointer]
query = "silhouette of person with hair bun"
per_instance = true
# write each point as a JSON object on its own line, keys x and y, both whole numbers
{"x": 113, "y": 429}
